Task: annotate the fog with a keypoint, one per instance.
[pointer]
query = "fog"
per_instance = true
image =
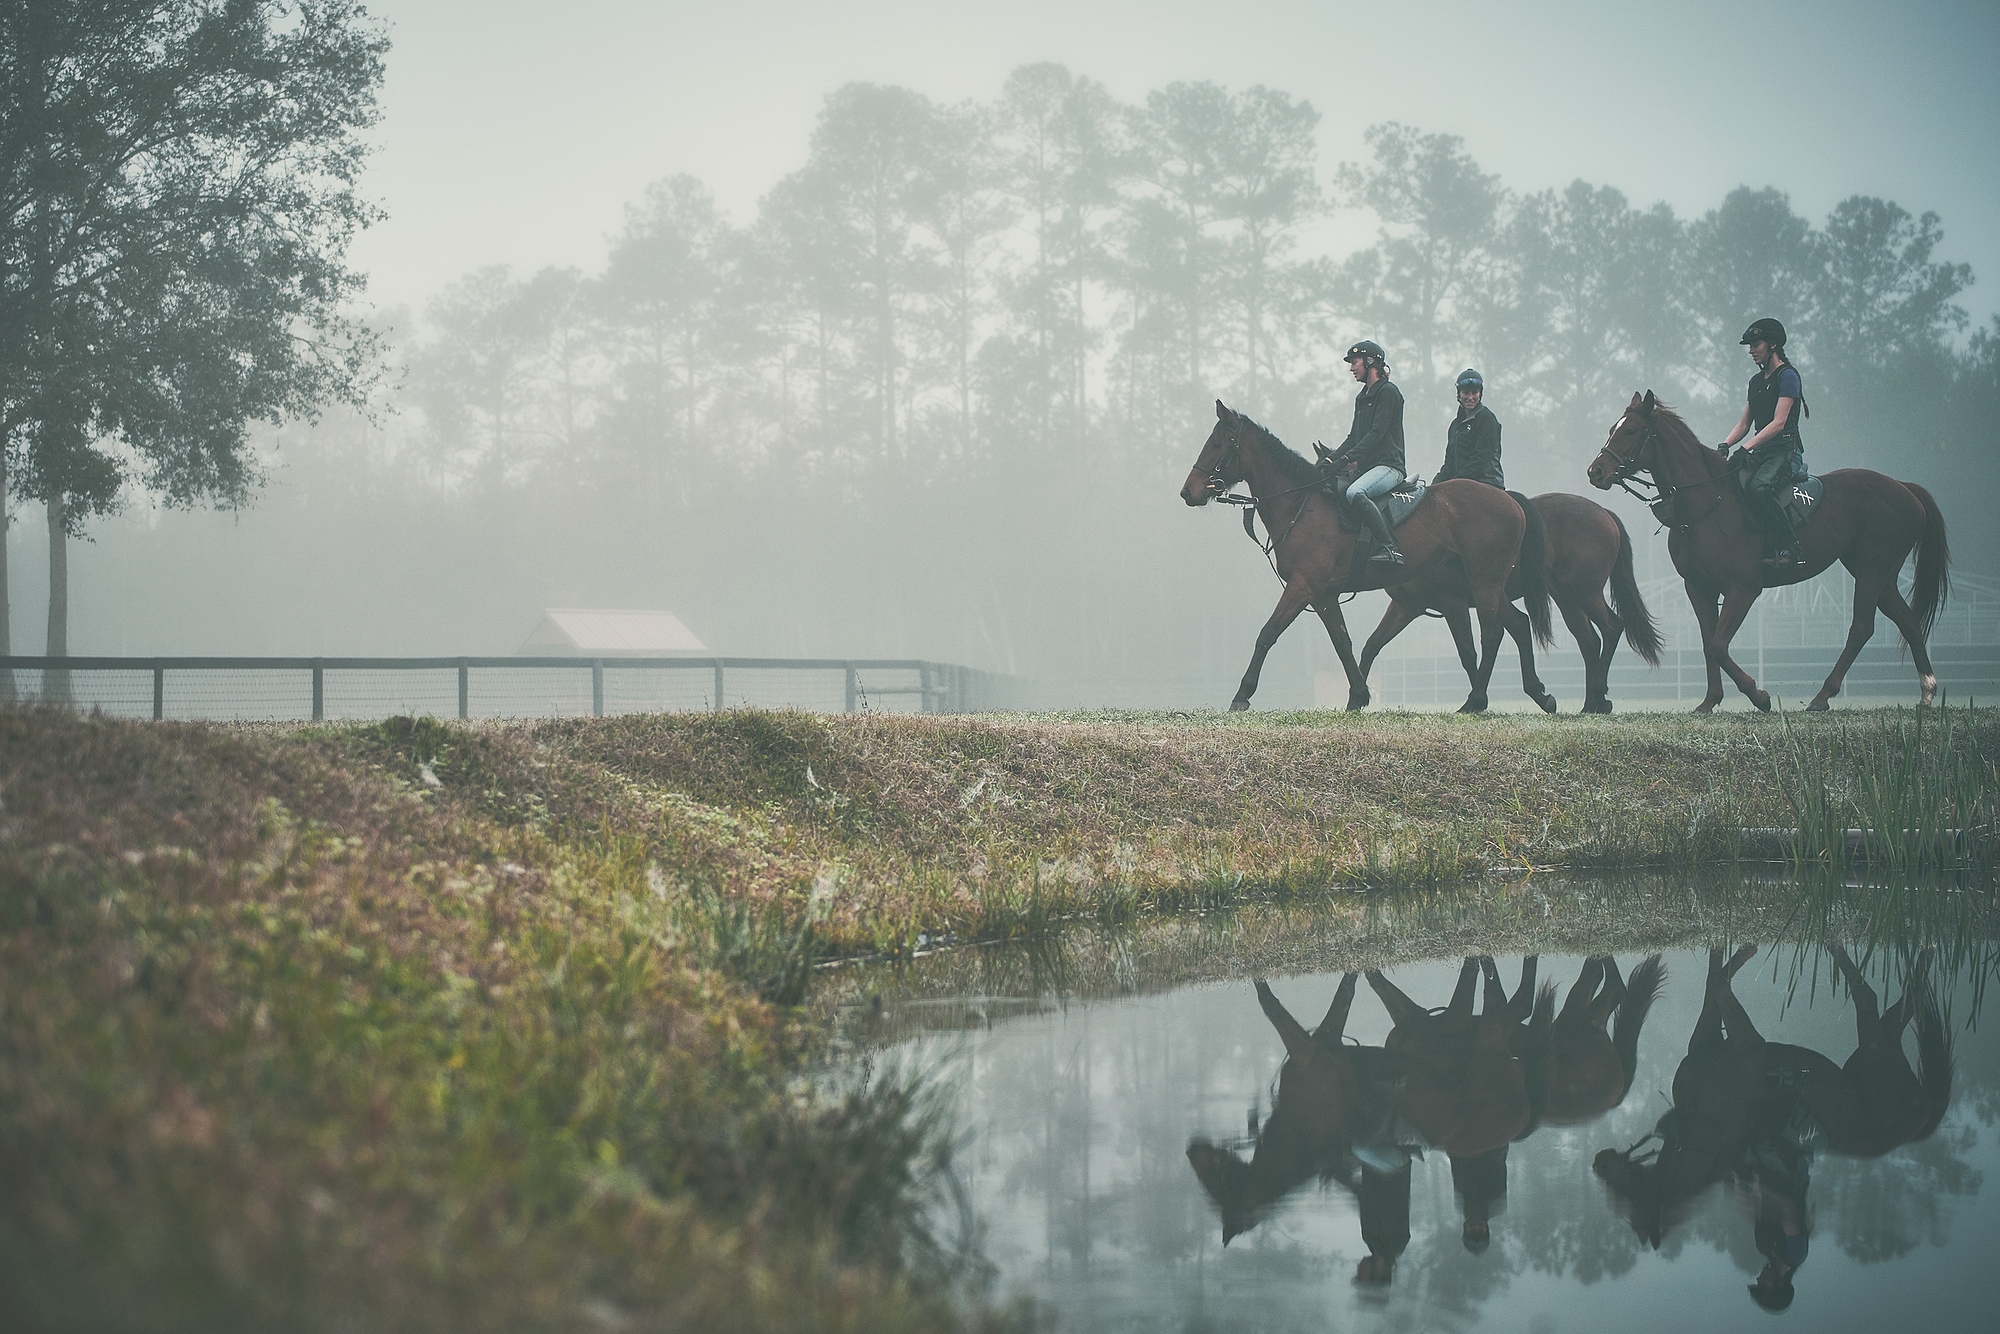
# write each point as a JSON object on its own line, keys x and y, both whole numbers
{"x": 892, "y": 330}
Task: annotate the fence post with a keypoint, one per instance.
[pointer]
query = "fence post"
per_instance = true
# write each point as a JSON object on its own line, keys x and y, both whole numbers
{"x": 464, "y": 691}
{"x": 853, "y": 687}
{"x": 924, "y": 687}
{"x": 159, "y": 693}
{"x": 597, "y": 688}
{"x": 319, "y": 691}
{"x": 718, "y": 685}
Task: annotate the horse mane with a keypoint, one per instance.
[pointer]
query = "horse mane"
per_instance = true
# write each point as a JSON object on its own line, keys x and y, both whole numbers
{"x": 1298, "y": 469}
{"x": 1681, "y": 433}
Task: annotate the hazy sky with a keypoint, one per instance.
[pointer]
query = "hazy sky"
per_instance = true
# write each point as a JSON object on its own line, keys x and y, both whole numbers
{"x": 516, "y": 130}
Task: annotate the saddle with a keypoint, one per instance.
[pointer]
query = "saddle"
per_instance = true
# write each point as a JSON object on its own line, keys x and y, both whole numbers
{"x": 1800, "y": 500}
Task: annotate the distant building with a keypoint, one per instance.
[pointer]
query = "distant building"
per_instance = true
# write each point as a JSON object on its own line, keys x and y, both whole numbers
{"x": 611, "y": 634}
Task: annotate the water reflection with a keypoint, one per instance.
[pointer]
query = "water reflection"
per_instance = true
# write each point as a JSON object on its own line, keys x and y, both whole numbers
{"x": 1407, "y": 1166}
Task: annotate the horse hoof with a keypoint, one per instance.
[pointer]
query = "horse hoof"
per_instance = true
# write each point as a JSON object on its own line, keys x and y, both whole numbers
{"x": 1547, "y": 701}
{"x": 1356, "y": 703}
{"x": 1239, "y": 706}
{"x": 1762, "y": 699}
{"x": 1473, "y": 705}
{"x": 1819, "y": 705}
{"x": 1598, "y": 706}
{"x": 1707, "y": 706}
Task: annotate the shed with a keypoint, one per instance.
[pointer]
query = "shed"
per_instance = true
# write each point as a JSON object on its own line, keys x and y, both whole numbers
{"x": 565, "y": 632}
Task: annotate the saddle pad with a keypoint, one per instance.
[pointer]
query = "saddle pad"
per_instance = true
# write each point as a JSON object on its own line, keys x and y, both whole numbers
{"x": 1801, "y": 500}
{"x": 1397, "y": 505}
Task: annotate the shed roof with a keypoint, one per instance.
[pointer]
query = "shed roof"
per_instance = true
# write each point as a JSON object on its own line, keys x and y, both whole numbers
{"x": 610, "y": 634}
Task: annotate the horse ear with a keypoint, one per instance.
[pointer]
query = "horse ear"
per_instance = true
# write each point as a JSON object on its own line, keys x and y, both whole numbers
{"x": 1222, "y": 414}
{"x": 1651, "y": 402}
{"x": 1637, "y": 401}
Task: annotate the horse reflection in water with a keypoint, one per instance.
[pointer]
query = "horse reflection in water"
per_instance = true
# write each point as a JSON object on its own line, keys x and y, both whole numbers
{"x": 1468, "y": 1083}
{"x": 1759, "y": 1111}
{"x": 1586, "y": 1071}
{"x": 1333, "y": 1120}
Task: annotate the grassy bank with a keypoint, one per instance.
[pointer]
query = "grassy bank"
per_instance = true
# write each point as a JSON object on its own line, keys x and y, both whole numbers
{"x": 426, "y": 1025}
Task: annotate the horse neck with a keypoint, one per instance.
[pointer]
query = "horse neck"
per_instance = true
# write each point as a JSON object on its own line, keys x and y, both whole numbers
{"x": 1261, "y": 471}
{"x": 1682, "y": 461}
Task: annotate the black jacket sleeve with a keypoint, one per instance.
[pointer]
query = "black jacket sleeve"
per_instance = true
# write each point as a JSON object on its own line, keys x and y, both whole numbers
{"x": 1383, "y": 441}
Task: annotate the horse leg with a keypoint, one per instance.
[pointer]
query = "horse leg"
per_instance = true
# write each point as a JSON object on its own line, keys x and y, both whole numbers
{"x": 1460, "y": 621}
{"x": 1297, "y": 1041}
{"x": 1868, "y": 593}
{"x": 1866, "y": 1022}
{"x": 1735, "y": 607}
{"x": 1402, "y": 1010}
{"x": 1491, "y": 631}
{"x": 1468, "y": 981}
{"x": 1609, "y": 999}
{"x": 1703, "y": 599}
{"x": 1493, "y": 999}
{"x": 1522, "y": 632}
{"x": 1330, "y": 1028}
{"x": 1522, "y": 1003}
{"x": 1905, "y": 1009}
{"x": 1905, "y": 620}
{"x": 1584, "y": 632}
{"x": 1336, "y": 630}
{"x": 1395, "y": 619}
{"x": 1290, "y": 603}
{"x": 1583, "y": 992}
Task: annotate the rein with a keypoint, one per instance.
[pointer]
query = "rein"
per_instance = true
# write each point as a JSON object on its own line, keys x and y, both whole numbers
{"x": 1662, "y": 492}
{"x": 1249, "y": 503}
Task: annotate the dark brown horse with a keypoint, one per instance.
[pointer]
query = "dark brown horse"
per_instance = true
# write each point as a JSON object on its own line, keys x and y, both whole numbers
{"x": 1586, "y": 549}
{"x": 1478, "y": 526}
{"x": 1876, "y": 1101}
{"x": 1586, "y": 1070}
{"x": 1868, "y": 522}
{"x": 1467, "y": 1088}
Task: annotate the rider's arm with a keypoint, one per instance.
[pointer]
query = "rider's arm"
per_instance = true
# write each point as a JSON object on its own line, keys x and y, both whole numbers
{"x": 1776, "y": 425}
{"x": 1736, "y": 432}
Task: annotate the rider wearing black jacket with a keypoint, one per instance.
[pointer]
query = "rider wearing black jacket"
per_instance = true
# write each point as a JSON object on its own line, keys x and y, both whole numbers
{"x": 1472, "y": 444}
{"x": 1369, "y": 463}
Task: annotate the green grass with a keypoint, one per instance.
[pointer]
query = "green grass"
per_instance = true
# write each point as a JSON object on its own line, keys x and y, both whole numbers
{"x": 425, "y": 1025}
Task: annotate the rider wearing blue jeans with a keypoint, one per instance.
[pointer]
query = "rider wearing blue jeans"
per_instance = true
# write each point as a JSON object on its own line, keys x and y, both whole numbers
{"x": 1373, "y": 450}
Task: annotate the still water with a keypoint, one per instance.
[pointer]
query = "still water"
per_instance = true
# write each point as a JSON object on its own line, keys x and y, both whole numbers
{"x": 1190, "y": 1154}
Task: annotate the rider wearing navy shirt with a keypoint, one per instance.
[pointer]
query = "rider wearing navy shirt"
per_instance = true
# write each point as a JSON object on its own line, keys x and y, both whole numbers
{"x": 1775, "y": 454}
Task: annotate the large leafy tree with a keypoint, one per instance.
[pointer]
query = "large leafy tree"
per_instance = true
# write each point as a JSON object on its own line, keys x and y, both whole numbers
{"x": 177, "y": 192}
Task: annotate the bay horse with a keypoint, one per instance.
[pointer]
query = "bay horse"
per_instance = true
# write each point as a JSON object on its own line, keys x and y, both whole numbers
{"x": 1466, "y": 1089}
{"x": 1479, "y": 526}
{"x": 1586, "y": 550}
{"x": 1586, "y": 1070}
{"x": 1867, "y": 521}
{"x": 1877, "y": 1102}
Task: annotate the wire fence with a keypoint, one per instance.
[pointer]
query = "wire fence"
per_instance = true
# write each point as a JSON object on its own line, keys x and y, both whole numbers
{"x": 362, "y": 688}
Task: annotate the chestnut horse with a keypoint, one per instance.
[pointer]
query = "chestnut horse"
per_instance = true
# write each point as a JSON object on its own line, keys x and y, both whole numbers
{"x": 1585, "y": 549}
{"x": 1468, "y": 1090}
{"x": 1478, "y": 526}
{"x": 1868, "y": 522}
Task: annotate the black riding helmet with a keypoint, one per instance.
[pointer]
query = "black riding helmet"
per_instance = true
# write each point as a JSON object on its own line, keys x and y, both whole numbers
{"x": 1470, "y": 379}
{"x": 1766, "y": 330}
{"x": 1367, "y": 347}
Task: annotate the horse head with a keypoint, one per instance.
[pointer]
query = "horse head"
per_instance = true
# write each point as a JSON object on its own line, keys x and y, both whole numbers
{"x": 1628, "y": 446}
{"x": 1219, "y": 466}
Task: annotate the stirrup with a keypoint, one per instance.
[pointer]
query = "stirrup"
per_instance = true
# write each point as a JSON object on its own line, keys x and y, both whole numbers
{"x": 1781, "y": 560}
{"x": 1388, "y": 555}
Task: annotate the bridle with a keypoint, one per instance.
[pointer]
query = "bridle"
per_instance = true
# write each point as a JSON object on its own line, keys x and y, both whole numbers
{"x": 1664, "y": 494}
{"x": 1223, "y": 496}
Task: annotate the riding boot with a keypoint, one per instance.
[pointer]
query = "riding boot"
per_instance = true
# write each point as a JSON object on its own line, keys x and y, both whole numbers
{"x": 1777, "y": 532}
{"x": 1371, "y": 514}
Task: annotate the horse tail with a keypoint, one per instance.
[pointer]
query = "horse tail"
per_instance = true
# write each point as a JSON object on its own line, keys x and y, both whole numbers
{"x": 1933, "y": 564}
{"x": 1642, "y": 630}
{"x": 1641, "y": 990}
{"x": 1934, "y": 1062}
{"x": 1535, "y": 572}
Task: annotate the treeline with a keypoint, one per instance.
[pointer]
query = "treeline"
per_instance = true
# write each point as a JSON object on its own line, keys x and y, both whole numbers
{"x": 1052, "y": 276}
{"x": 936, "y": 396}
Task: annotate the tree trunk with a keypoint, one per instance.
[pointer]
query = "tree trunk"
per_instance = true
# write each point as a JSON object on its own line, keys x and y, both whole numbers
{"x": 55, "y": 684}
{"x": 6, "y": 609}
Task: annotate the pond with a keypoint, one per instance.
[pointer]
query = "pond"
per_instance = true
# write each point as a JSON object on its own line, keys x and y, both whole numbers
{"x": 1139, "y": 1151}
